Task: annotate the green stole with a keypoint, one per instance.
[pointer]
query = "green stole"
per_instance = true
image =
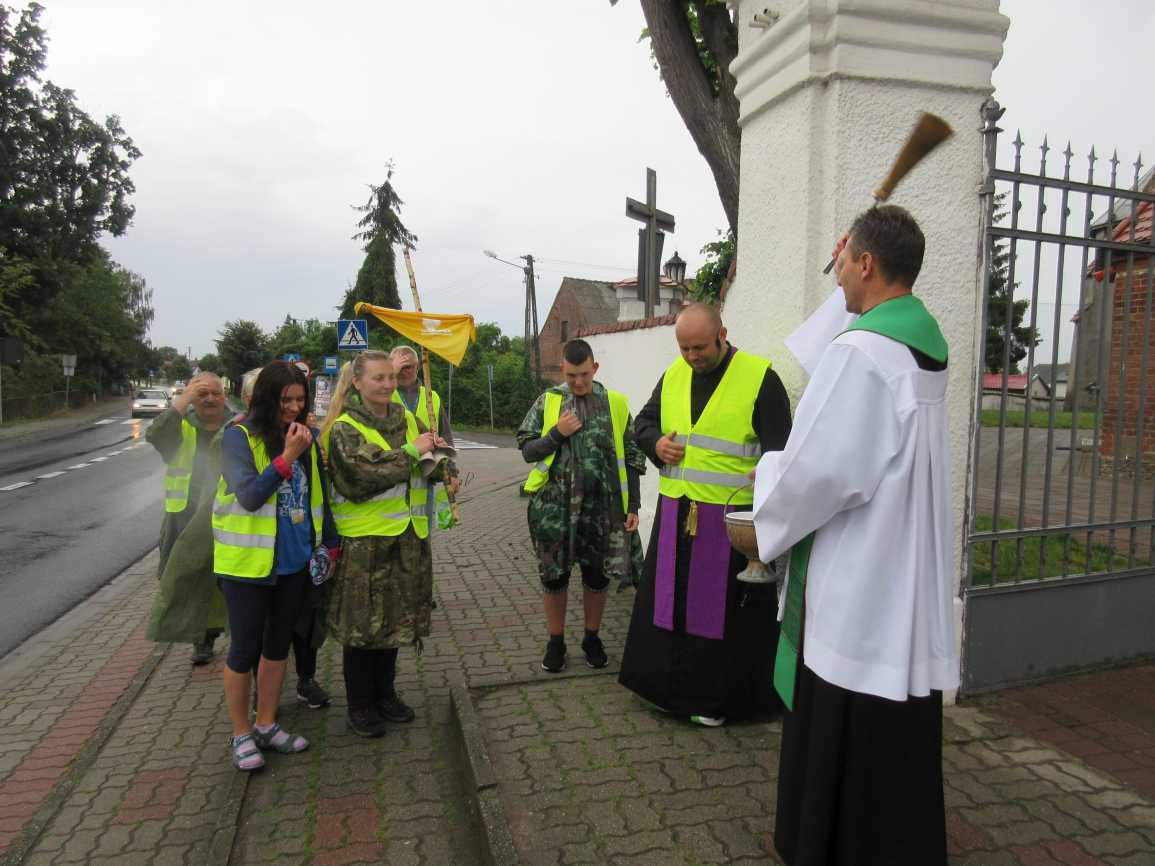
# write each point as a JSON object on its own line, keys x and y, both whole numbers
{"x": 905, "y": 320}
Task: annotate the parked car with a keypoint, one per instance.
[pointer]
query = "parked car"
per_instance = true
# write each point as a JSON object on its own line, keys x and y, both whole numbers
{"x": 149, "y": 401}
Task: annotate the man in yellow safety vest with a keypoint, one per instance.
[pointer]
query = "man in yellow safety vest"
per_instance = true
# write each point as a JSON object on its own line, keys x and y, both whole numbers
{"x": 701, "y": 642}
{"x": 584, "y": 491}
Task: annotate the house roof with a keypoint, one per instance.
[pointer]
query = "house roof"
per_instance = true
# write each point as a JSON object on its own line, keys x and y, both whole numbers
{"x": 1123, "y": 205}
{"x": 632, "y": 325}
{"x": 1050, "y": 374}
{"x": 994, "y": 381}
{"x": 1142, "y": 225}
{"x": 597, "y": 299}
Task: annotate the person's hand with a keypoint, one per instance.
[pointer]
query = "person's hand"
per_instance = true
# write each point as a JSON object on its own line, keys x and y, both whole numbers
{"x": 631, "y": 523}
{"x": 424, "y": 443}
{"x": 197, "y": 387}
{"x": 297, "y": 440}
{"x": 568, "y": 423}
{"x": 752, "y": 473}
{"x": 440, "y": 442}
{"x": 839, "y": 245}
{"x": 669, "y": 451}
{"x": 452, "y": 485}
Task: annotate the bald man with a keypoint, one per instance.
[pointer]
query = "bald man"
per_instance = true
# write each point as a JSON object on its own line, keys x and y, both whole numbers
{"x": 701, "y": 643}
{"x": 182, "y": 435}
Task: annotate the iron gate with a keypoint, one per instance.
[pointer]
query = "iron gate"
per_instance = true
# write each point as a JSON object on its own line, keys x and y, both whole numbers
{"x": 1061, "y": 511}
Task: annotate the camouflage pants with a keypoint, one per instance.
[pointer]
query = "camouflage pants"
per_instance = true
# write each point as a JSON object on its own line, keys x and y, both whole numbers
{"x": 592, "y": 537}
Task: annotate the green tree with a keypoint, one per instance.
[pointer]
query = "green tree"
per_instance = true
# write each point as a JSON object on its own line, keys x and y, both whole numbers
{"x": 710, "y": 277}
{"x": 693, "y": 43}
{"x": 241, "y": 345}
{"x": 312, "y": 339}
{"x": 381, "y": 229}
{"x": 180, "y": 369}
{"x": 210, "y": 363}
{"x": 1007, "y": 340}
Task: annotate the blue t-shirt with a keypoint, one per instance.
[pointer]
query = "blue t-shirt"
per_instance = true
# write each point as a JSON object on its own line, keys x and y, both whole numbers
{"x": 294, "y": 540}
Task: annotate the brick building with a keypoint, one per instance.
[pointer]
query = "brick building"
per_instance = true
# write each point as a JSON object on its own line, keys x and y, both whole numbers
{"x": 1129, "y": 401}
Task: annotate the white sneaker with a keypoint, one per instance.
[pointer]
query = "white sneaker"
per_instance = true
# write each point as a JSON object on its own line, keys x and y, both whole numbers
{"x": 709, "y": 721}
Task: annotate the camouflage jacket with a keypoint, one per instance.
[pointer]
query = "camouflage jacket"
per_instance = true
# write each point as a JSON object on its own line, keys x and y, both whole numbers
{"x": 382, "y": 591}
{"x": 588, "y": 455}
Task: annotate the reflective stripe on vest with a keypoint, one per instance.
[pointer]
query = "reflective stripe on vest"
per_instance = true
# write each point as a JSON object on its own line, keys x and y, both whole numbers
{"x": 619, "y": 420}
{"x": 244, "y": 542}
{"x": 391, "y": 511}
{"x": 722, "y": 446}
{"x": 422, "y": 412}
{"x": 178, "y": 474}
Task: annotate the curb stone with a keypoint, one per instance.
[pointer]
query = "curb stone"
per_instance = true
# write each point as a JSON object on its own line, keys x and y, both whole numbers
{"x": 482, "y": 778}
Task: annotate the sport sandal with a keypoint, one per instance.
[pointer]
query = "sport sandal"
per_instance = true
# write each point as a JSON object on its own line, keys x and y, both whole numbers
{"x": 277, "y": 739}
{"x": 245, "y": 753}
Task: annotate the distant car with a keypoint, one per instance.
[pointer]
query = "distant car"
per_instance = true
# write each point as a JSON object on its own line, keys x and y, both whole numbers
{"x": 177, "y": 388}
{"x": 149, "y": 402}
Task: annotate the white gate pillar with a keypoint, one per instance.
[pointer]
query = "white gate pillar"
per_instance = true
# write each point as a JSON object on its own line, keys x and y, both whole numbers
{"x": 829, "y": 91}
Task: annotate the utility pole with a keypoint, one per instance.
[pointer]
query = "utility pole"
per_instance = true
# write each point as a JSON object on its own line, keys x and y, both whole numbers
{"x": 531, "y": 316}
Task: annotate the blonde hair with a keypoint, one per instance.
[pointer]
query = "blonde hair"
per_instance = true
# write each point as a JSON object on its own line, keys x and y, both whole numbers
{"x": 349, "y": 371}
{"x": 247, "y": 383}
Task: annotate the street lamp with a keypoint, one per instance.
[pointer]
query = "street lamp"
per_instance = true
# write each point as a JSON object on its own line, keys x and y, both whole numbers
{"x": 675, "y": 269}
{"x": 531, "y": 335}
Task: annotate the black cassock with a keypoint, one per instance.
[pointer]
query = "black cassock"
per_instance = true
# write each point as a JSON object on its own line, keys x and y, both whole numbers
{"x": 683, "y": 673}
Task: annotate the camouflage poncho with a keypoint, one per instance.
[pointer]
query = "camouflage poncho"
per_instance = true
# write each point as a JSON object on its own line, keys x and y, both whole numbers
{"x": 382, "y": 590}
{"x": 577, "y": 518}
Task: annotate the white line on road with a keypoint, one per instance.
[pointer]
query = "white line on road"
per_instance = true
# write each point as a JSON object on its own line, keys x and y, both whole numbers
{"x": 49, "y": 475}
{"x": 17, "y": 485}
{"x": 80, "y": 466}
{"x": 107, "y": 420}
{"x": 99, "y": 459}
{"x": 131, "y": 421}
{"x": 469, "y": 445}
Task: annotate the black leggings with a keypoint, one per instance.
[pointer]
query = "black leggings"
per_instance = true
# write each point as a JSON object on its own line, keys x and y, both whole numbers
{"x": 369, "y": 675}
{"x": 261, "y": 618}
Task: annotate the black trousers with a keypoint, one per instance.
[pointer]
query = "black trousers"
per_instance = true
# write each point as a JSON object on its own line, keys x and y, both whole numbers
{"x": 305, "y": 657}
{"x": 369, "y": 675}
{"x": 261, "y": 618}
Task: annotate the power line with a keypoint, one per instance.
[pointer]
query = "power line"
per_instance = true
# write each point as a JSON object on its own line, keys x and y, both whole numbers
{"x": 586, "y": 265}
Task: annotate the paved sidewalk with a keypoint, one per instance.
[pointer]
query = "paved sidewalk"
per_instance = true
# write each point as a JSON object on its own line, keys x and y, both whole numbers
{"x": 112, "y": 749}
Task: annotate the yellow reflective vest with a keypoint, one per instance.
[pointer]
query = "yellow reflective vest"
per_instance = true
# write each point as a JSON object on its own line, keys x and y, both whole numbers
{"x": 619, "y": 418}
{"x": 440, "y": 496}
{"x": 178, "y": 473}
{"x": 391, "y": 511}
{"x": 244, "y": 542}
{"x": 722, "y": 447}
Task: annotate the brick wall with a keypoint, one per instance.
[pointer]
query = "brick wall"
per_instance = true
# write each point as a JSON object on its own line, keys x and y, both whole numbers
{"x": 1130, "y": 396}
{"x": 565, "y": 309}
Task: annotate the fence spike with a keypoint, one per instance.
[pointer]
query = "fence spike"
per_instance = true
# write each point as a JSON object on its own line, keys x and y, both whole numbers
{"x": 1068, "y": 153}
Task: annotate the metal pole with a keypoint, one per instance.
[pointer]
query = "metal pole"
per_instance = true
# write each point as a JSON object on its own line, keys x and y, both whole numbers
{"x": 489, "y": 374}
{"x": 531, "y": 291}
{"x": 1, "y": 393}
{"x": 67, "y": 383}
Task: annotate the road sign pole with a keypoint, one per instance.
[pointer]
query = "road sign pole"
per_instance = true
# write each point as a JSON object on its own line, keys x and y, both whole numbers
{"x": 1, "y": 393}
{"x": 489, "y": 372}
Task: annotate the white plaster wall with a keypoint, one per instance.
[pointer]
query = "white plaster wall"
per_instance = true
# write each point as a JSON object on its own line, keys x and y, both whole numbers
{"x": 632, "y": 362}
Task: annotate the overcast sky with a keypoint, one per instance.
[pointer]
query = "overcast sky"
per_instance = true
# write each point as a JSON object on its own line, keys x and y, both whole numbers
{"x": 515, "y": 125}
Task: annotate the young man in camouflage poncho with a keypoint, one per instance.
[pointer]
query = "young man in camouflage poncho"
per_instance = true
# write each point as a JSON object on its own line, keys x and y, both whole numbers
{"x": 584, "y": 497}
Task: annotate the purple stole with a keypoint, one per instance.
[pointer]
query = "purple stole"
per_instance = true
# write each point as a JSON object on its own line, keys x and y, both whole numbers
{"x": 709, "y": 575}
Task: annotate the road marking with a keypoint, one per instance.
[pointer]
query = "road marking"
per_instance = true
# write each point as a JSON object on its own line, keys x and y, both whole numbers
{"x": 80, "y": 466}
{"x": 131, "y": 421}
{"x": 113, "y": 453}
{"x": 107, "y": 420}
{"x": 17, "y": 485}
{"x": 99, "y": 459}
{"x": 470, "y": 445}
{"x": 49, "y": 475}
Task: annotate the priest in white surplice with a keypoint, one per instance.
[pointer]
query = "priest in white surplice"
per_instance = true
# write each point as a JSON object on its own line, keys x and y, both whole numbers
{"x": 860, "y": 496}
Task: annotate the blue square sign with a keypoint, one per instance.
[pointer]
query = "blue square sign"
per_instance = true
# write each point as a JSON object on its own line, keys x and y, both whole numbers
{"x": 352, "y": 334}
{"x": 330, "y": 364}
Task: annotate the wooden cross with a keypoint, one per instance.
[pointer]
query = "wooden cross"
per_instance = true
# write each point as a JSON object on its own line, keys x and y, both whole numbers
{"x": 654, "y": 221}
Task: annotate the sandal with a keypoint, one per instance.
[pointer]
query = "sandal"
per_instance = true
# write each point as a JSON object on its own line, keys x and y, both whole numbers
{"x": 246, "y": 753}
{"x": 278, "y": 739}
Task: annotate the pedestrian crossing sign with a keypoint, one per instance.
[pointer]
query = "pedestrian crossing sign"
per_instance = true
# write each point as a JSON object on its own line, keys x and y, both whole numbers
{"x": 353, "y": 334}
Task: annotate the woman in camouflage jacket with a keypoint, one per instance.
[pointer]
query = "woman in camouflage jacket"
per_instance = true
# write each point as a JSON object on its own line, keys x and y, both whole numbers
{"x": 382, "y": 590}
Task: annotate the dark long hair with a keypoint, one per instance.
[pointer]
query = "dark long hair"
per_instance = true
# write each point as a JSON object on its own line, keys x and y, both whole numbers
{"x": 264, "y": 418}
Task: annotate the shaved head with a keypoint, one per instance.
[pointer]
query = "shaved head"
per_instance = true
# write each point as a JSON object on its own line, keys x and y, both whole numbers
{"x": 701, "y": 337}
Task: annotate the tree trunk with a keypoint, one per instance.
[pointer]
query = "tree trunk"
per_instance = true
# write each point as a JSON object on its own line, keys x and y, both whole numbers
{"x": 712, "y": 119}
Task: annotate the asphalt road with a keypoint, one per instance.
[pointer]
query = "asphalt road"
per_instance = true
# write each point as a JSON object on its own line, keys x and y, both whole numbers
{"x": 77, "y": 506}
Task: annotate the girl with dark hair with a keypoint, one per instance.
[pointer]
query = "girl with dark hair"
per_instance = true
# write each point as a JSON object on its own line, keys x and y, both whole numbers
{"x": 271, "y": 511}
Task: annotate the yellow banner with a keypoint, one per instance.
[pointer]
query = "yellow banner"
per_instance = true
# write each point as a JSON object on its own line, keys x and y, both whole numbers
{"x": 444, "y": 334}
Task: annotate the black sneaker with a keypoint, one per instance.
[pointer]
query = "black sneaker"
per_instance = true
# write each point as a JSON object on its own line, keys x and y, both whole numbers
{"x": 202, "y": 652}
{"x": 554, "y": 660}
{"x": 595, "y": 652}
{"x": 366, "y": 723}
{"x": 393, "y": 709}
{"x": 309, "y": 692}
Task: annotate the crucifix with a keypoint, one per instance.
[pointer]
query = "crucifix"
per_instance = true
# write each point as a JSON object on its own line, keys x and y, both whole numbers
{"x": 650, "y": 239}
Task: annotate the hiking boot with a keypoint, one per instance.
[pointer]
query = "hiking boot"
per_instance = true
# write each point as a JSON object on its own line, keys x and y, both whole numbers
{"x": 309, "y": 692}
{"x": 393, "y": 709}
{"x": 595, "y": 652}
{"x": 202, "y": 653}
{"x": 366, "y": 722}
{"x": 554, "y": 660}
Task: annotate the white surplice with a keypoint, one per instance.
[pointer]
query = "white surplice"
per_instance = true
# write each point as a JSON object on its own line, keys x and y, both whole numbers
{"x": 867, "y": 465}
